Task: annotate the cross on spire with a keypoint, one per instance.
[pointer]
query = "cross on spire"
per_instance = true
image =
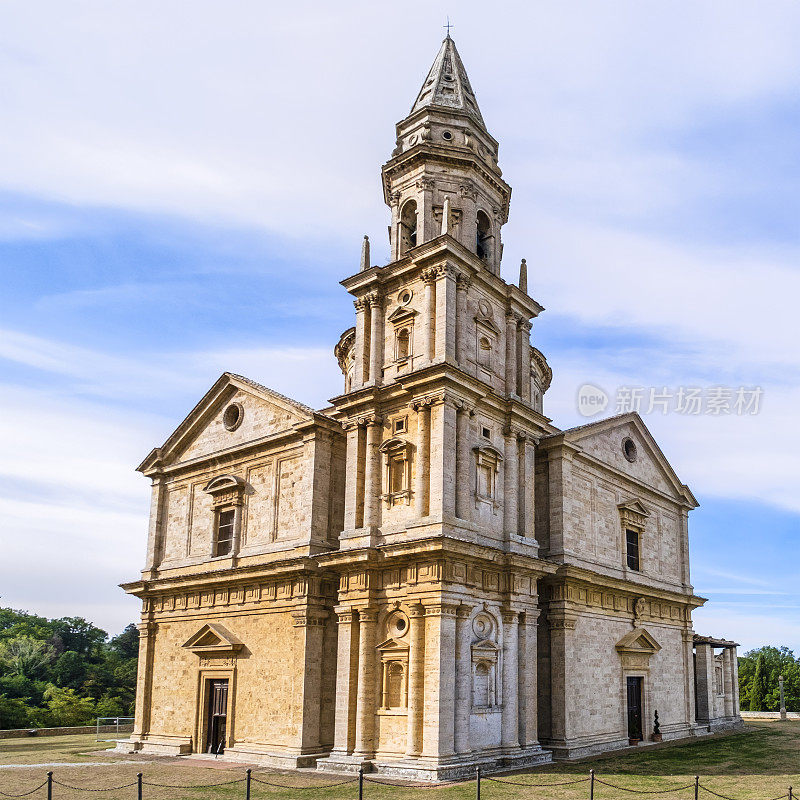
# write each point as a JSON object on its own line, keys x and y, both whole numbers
{"x": 448, "y": 26}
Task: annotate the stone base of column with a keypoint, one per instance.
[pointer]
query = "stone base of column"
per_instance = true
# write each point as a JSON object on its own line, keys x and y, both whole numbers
{"x": 443, "y": 769}
{"x": 289, "y": 758}
{"x": 342, "y": 762}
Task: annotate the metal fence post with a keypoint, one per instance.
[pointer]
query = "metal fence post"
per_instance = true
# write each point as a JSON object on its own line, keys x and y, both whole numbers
{"x": 49, "y": 786}
{"x": 247, "y": 785}
{"x": 361, "y": 783}
{"x": 478, "y": 783}
{"x": 696, "y": 787}
{"x": 591, "y": 784}
{"x": 139, "y": 785}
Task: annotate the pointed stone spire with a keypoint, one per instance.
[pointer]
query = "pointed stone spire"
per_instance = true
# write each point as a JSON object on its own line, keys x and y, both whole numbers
{"x": 447, "y": 84}
{"x": 365, "y": 253}
{"x": 523, "y": 276}
{"x": 446, "y": 215}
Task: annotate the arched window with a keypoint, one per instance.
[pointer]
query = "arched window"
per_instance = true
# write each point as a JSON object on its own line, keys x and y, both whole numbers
{"x": 408, "y": 226}
{"x": 403, "y": 343}
{"x": 483, "y": 236}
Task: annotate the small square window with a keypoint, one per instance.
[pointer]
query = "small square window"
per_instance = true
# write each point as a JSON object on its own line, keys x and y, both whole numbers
{"x": 400, "y": 425}
{"x": 486, "y": 433}
{"x": 632, "y": 549}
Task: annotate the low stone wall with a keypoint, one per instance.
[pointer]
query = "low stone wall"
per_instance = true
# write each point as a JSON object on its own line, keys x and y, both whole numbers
{"x": 769, "y": 714}
{"x": 20, "y": 733}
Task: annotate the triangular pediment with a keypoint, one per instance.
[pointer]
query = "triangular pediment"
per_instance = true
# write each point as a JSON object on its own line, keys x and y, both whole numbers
{"x": 207, "y": 429}
{"x": 392, "y": 645}
{"x": 635, "y": 506}
{"x": 602, "y": 440}
{"x": 213, "y": 638}
{"x": 402, "y": 314}
{"x": 488, "y": 322}
{"x": 485, "y": 645}
{"x": 638, "y": 641}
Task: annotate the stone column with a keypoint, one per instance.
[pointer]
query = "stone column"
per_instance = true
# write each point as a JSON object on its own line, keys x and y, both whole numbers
{"x": 528, "y": 679}
{"x": 422, "y": 474}
{"x": 144, "y": 679}
{"x": 463, "y": 282}
{"x": 155, "y": 534}
{"x": 727, "y": 680}
{"x": 737, "y": 705}
{"x": 372, "y": 475}
{"x": 365, "y": 700}
{"x": 464, "y": 479}
{"x": 376, "y": 348}
{"x": 344, "y": 731}
{"x": 463, "y": 685}
{"x": 510, "y": 485}
{"x": 511, "y": 353}
{"x": 525, "y": 360}
{"x": 439, "y": 715}
{"x": 509, "y": 734}
{"x": 354, "y": 477}
{"x": 443, "y": 457}
{"x": 688, "y": 673}
{"x": 416, "y": 680}
{"x": 704, "y": 668}
{"x": 429, "y": 316}
{"x": 360, "y": 347}
{"x": 445, "y": 316}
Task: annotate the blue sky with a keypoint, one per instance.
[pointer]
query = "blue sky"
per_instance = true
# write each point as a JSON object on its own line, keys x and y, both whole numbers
{"x": 184, "y": 184}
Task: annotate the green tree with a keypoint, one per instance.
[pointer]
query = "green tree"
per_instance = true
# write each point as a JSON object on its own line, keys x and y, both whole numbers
{"x": 69, "y": 670}
{"x": 126, "y": 644}
{"x": 25, "y": 655}
{"x": 78, "y": 634}
{"x": 14, "y": 713}
{"x": 757, "y": 685}
{"x": 66, "y": 708}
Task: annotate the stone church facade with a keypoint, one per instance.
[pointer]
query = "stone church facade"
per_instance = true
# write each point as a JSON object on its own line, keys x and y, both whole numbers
{"x": 428, "y": 575}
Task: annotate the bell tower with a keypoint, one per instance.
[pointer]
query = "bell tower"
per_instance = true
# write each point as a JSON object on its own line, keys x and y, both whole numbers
{"x": 437, "y": 565}
{"x": 443, "y": 175}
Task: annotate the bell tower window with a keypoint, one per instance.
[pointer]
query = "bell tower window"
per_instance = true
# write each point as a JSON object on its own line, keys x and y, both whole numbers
{"x": 408, "y": 226}
{"x": 483, "y": 236}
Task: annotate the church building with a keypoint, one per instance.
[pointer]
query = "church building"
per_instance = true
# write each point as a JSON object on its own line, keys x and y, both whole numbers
{"x": 428, "y": 575}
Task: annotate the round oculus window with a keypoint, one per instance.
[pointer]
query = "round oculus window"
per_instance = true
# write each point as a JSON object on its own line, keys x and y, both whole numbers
{"x": 404, "y": 298}
{"x": 232, "y": 416}
{"x": 397, "y": 625}
{"x": 629, "y": 449}
{"x": 448, "y": 135}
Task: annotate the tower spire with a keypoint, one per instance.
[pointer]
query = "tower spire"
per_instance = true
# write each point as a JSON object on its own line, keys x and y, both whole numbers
{"x": 447, "y": 85}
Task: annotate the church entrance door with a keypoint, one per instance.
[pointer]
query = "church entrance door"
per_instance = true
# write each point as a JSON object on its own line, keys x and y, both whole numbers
{"x": 635, "y": 709}
{"x": 217, "y": 716}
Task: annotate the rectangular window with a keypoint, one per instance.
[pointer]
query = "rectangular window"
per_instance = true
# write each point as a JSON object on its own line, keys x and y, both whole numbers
{"x": 632, "y": 549}
{"x": 224, "y": 533}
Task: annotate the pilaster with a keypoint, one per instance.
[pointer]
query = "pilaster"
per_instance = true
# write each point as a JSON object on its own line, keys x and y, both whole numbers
{"x": 439, "y": 713}
{"x": 704, "y": 666}
{"x": 421, "y": 474}
{"x": 510, "y": 485}
{"x": 511, "y": 353}
{"x": 360, "y": 348}
{"x": 528, "y": 678}
{"x": 376, "y": 345}
{"x": 344, "y": 734}
{"x": 463, "y": 466}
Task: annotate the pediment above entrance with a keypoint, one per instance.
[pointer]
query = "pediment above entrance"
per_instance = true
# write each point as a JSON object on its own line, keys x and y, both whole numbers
{"x": 638, "y": 641}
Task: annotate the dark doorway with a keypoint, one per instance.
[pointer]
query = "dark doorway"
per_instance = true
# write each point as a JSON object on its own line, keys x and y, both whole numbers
{"x": 217, "y": 716}
{"x": 635, "y": 708}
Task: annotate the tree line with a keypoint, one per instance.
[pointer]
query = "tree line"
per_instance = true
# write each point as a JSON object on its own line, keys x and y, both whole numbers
{"x": 63, "y": 672}
{"x": 758, "y": 679}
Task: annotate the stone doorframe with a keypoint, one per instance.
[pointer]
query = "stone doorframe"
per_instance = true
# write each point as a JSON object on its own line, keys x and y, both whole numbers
{"x": 635, "y": 650}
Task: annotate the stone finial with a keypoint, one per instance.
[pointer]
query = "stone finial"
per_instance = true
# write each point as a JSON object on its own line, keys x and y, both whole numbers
{"x": 446, "y": 216}
{"x": 523, "y": 276}
{"x": 365, "y": 254}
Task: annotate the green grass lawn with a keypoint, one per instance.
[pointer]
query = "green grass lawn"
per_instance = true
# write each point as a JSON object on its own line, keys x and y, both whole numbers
{"x": 757, "y": 764}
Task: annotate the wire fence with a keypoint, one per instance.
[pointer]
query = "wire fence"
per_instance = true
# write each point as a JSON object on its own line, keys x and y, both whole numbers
{"x": 50, "y": 787}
